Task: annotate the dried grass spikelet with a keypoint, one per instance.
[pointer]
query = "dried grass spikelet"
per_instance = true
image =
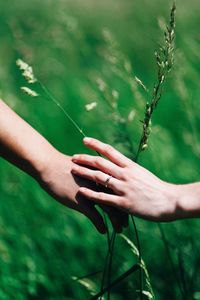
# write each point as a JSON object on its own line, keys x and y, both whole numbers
{"x": 139, "y": 82}
{"x": 131, "y": 115}
{"x": 29, "y": 76}
{"x": 27, "y": 71}
{"x": 29, "y": 91}
{"x": 91, "y": 106}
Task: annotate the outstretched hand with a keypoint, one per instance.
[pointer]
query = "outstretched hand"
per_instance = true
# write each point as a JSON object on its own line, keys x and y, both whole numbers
{"x": 136, "y": 190}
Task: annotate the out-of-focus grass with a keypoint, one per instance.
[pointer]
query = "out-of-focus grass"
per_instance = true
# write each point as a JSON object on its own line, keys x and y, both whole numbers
{"x": 42, "y": 244}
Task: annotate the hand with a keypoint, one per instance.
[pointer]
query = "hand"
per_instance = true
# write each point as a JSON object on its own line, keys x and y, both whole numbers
{"x": 137, "y": 191}
{"x": 57, "y": 180}
{"x": 32, "y": 153}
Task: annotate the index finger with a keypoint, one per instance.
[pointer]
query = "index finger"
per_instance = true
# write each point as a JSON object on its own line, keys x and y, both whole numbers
{"x": 108, "y": 151}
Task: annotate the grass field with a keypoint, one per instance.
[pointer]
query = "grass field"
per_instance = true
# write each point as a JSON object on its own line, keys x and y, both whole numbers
{"x": 74, "y": 46}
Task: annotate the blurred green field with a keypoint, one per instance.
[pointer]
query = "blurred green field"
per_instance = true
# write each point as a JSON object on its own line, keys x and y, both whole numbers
{"x": 72, "y": 45}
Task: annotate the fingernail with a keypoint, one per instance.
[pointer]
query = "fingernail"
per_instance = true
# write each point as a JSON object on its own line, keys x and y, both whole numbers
{"x": 75, "y": 157}
{"x": 74, "y": 170}
{"x": 86, "y": 140}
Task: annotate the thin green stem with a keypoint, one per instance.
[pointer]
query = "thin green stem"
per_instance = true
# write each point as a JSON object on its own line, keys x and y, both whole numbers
{"x": 116, "y": 282}
{"x": 52, "y": 98}
{"x": 165, "y": 242}
{"x": 110, "y": 262}
{"x": 109, "y": 257}
{"x": 139, "y": 257}
{"x": 87, "y": 275}
{"x": 106, "y": 262}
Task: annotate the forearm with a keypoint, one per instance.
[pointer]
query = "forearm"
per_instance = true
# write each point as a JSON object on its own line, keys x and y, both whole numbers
{"x": 21, "y": 144}
{"x": 188, "y": 200}
{"x": 27, "y": 149}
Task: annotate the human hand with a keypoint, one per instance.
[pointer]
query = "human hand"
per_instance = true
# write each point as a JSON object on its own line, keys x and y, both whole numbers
{"x": 137, "y": 191}
{"x": 57, "y": 180}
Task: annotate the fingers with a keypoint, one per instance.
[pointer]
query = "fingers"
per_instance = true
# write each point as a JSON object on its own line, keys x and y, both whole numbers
{"x": 117, "y": 223}
{"x": 98, "y": 177}
{"x": 108, "y": 151}
{"x": 101, "y": 198}
{"x": 99, "y": 163}
{"x": 118, "y": 218}
{"x": 95, "y": 217}
{"x": 124, "y": 217}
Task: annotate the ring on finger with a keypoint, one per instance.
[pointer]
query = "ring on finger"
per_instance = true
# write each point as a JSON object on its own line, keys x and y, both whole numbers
{"x": 107, "y": 181}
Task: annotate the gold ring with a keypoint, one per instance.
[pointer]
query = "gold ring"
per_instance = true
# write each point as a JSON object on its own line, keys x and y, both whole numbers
{"x": 107, "y": 181}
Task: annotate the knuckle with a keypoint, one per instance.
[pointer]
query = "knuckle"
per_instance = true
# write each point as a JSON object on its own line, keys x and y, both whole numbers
{"x": 119, "y": 190}
{"x": 83, "y": 171}
{"x": 110, "y": 149}
{"x": 78, "y": 169}
{"x": 101, "y": 196}
{"x": 96, "y": 160}
{"x": 129, "y": 161}
{"x": 107, "y": 148}
{"x": 93, "y": 142}
{"x": 123, "y": 174}
{"x": 86, "y": 158}
{"x": 127, "y": 174}
{"x": 124, "y": 203}
{"x": 97, "y": 176}
{"x": 99, "y": 162}
{"x": 82, "y": 157}
{"x": 90, "y": 194}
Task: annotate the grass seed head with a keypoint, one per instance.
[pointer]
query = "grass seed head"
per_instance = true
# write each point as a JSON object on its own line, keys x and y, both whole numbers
{"x": 29, "y": 91}
{"x": 91, "y": 106}
{"x": 27, "y": 71}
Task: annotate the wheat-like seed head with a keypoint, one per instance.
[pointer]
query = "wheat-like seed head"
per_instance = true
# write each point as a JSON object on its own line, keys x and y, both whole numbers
{"x": 164, "y": 61}
{"x": 27, "y": 71}
{"x": 29, "y": 91}
{"x": 91, "y": 106}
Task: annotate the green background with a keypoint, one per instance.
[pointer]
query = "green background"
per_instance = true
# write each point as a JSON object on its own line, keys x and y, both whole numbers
{"x": 71, "y": 44}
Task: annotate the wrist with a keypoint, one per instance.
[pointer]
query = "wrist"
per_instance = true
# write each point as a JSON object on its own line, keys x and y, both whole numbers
{"x": 188, "y": 201}
{"x": 171, "y": 208}
{"x": 177, "y": 202}
{"x": 50, "y": 167}
{"x": 42, "y": 162}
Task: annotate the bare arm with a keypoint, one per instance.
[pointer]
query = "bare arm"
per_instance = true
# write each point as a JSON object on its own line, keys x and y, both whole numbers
{"x": 24, "y": 147}
{"x": 137, "y": 191}
{"x": 27, "y": 149}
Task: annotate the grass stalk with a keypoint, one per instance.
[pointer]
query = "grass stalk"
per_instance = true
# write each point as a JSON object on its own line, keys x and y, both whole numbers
{"x": 139, "y": 257}
{"x": 116, "y": 281}
{"x": 53, "y": 99}
{"x": 110, "y": 262}
{"x": 164, "y": 61}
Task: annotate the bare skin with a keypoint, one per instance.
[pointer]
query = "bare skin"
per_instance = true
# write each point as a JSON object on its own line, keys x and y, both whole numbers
{"x": 24, "y": 147}
{"x": 137, "y": 191}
